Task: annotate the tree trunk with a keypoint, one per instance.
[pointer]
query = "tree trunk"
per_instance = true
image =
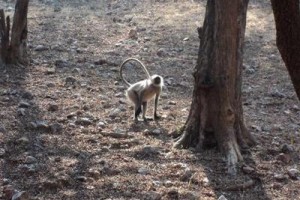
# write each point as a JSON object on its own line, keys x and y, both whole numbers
{"x": 287, "y": 20}
{"x": 216, "y": 114}
{"x": 13, "y": 46}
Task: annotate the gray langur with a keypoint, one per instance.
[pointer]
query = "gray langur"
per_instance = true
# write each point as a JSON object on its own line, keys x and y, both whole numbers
{"x": 143, "y": 91}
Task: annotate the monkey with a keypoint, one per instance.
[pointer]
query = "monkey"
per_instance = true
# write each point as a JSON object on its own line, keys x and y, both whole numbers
{"x": 140, "y": 93}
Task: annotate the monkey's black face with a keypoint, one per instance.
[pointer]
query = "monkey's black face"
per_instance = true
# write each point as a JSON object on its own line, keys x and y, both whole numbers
{"x": 157, "y": 80}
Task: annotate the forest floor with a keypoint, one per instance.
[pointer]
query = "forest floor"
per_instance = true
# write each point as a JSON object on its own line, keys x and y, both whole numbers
{"x": 66, "y": 129}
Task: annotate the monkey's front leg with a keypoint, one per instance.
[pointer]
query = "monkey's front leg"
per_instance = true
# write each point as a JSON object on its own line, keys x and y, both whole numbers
{"x": 155, "y": 116}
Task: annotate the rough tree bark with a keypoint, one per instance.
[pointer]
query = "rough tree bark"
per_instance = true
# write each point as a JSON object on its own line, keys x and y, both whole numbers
{"x": 287, "y": 20}
{"x": 216, "y": 114}
{"x": 14, "y": 40}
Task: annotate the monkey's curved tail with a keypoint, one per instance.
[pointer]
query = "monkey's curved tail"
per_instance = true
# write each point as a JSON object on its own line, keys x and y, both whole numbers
{"x": 128, "y": 60}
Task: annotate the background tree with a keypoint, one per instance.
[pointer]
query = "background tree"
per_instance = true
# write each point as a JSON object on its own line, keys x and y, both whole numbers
{"x": 13, "y": 46}
{"x": 216, "y": 114}
{"x": 287, "y": 20}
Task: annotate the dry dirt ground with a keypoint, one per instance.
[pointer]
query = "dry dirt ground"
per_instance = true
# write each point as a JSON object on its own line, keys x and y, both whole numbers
{"x": 66, "y": 130}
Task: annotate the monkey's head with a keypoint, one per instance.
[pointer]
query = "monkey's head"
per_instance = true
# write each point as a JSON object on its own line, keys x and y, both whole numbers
{"x": 157, "y": 80}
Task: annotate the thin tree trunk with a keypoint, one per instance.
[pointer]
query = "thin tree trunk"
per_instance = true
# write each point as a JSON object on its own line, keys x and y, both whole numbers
{"x": 216, "y": 114}
{"x": 287, "y": 20}
{"x": 13, "y": 46}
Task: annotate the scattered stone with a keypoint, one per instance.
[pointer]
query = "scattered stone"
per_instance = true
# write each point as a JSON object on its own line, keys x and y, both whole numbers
{"x": 293, "y": 173}
{"x": 186, "y": 39}
{"x": 23, "y": 140}
{"x": 122, "y": 101}
{"x": 161, "y": 52}
{"x": 27, "y": 95}
{"x": 277, "y": 186}
{"x": 151, "y": 195}
{"x": 42, "y": 125}
{"x": 186, "y": 176}
{"x": 115, "y": 112}
{"x": 62, "y": 63}
{"x": 81, "y": 178}
{"x": 50, "y": 70}
{"x": 95, "y": 174}
{"x": 2, "y": 152}
{"x": 50, "y": 85}
{"x": 57, "y": 159}
{"x": 277, "y": 94}
{"x": 2, "y": 129}
{"x": 118, "y": 133}
{"x": 100, "y": 62}
{"x": 52, "y": 107}
{"x": 173, "y": 194}
{"x": 30, "y": 160}
{"x": 51, "y": 184}
{"x": 20, "y": 196}
{"x": 56, "y": 128}
{"x": 287, "y": 148}
{"x": 28, "y": 168}
{"x": 222, "y": 197}
{"x": 156, "y": 131}
{"x": 70, "y": 80}
{"x": 247, "y": 169}
{"x": 280, "y": 177}
{"x": 173, "y": 103}
{"x": 285, "y": 158}
{"x": 21, "y": 112}
{"x": 143, "y": 171}
{"x": 148, "y": 151}
{"x": 6, "y": 181}
{"x": 132, "y": 34}
{"x": 101, "y": 124}
{"x": 205, "y": 181}
{"x": 119, "y": 94}
{"x": 84, "y": 121}
{"x": 40, "y": 48}
{"x": 57, "y": 9}
{"x": 24, "y": 104}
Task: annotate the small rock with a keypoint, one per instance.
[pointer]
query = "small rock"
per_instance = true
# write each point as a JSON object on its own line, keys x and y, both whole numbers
{"x": 148, "y": 150}
{"x": 42, "y": 125}
{"x": 52, "y": 107}
{"x": 50, "y": 85}
{"x": 56, "y": 128}
{"x": 151, "y": 195}
{"x": 115, "y": 112}
{"x": 277, "y": 186}
{"x": 84, "y": 121}
{"x": 2, "y": 129}
{"x": 186, "y": 175}
{"x": 57, "y": 9}
{"x": 186, "y": 39}
{"x": 247, "y": 169}
{"x": 30, "y": 160}
{"x": 27, "y": 95}
{"x": 222, "y": 197}
{"x": 23, "y": 140}
{"x": 94, "y": 174}
{"x": 70, "y": 80}
{"x": 156, "y": 131}
{"x": 41, "y": 48}
{"x": 132, "y": 34}
{"x": 51, "y": 185}
{"x": 119, "y": 94}
{"x": 277, "y": 94}
{"x": 172, "y": 103}
{"x": 143, "y": 171}
{"x": 205, "y": 181}
{"x": 122, "y": 101}
{"x": 21, "y": 112}
{"x": 20, "y": 196}
{"x": 2, "y": 152}
{"x": 81, "y": 178}
{"x": 50, "y": 70}
{"x": 6, "y": 181}
{"x": 280, "y": 177}
{"x": 161, "y": 52}
{"x": 285, "y": 158}
{"x": 173, "y": 194}
{"x": 24, "y": 104}
{"x": 57, "y": 159}
{"x": 168, "y": 183}
{"x": 287, "y": 148}
{"x": 293, "y": 173}
{"x": 62, "y": 63}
